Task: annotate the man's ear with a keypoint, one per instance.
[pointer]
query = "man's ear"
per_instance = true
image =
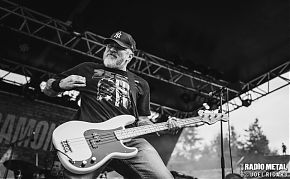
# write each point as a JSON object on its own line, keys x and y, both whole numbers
{"x": 131, "y": 55}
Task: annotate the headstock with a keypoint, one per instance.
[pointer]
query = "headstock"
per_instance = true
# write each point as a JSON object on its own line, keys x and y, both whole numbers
{"x": 211, "y": 118}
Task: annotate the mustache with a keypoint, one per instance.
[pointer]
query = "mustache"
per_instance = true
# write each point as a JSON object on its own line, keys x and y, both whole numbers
{"x": 113, "y": 54}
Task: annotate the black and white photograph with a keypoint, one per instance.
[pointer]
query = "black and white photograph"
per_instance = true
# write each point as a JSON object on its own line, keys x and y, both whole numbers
{"x": 96, "y": 89}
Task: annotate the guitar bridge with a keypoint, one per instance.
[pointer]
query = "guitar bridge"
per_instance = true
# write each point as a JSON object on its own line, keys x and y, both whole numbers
{"x": 95, "y": 140}
{"x": 66, "y": 146}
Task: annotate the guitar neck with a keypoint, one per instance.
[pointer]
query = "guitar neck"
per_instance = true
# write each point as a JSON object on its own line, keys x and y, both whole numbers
{"x": 147, "y": 129}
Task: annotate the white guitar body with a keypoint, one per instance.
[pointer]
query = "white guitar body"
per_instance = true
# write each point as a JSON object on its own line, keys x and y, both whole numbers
{"x": 84, "y": 147}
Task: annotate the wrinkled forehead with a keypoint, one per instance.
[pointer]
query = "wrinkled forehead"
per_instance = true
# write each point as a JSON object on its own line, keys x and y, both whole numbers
{"x": 118, "y": 46}
{"x": 115, "y": 44}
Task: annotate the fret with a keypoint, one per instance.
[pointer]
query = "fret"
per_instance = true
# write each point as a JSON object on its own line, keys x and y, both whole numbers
{"x": 146, "y": 129}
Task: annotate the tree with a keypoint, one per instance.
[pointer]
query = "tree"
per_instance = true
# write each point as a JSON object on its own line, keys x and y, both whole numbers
{"x": 235, "y": 147}
{"x": 211, "y": 154}
{"x": 234, "y": 143}
{"x": 232, "y": 147}
{"x": 256, "y": 141}
{"x": 186, "y": 148}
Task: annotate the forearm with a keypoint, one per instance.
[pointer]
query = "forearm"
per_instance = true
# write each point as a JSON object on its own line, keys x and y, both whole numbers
{"x": 55, "y": 86}
{"x": 48, "y": 88}
{"x": 172, "y": 125}
{"x": 144, "y": 120}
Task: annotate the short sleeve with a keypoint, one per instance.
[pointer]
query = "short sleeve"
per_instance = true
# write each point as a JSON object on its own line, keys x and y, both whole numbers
{"x": 143, "y": 100}
{"x": 76, "y": 70}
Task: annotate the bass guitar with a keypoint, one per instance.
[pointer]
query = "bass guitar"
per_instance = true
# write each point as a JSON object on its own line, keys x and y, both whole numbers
{"x": 83, "y": 147}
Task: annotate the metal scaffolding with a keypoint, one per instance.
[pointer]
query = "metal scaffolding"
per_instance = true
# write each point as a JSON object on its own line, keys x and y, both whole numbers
{"x": 53, "y": 31}
{"x": 261, "y": 86}
{"x": 29, "y": 73}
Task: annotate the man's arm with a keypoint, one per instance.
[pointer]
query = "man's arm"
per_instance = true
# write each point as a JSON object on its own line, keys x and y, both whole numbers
{"x": 144, "y": 120}
{"x": 172, "y": 124}
{"x": 53, "y": 86}
{"x": 48, "y": 88}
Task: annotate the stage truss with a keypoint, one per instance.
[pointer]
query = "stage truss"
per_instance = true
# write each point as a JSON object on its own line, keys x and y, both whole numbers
{"x": 31, "y": 23}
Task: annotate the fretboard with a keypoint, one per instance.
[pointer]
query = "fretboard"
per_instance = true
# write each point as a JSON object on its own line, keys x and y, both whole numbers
{"x": 147, "y": 129}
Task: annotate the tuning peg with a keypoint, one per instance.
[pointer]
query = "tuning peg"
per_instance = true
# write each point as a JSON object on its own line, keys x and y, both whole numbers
{"x": 206, "y": 106}
{"x": 200, "y": 112}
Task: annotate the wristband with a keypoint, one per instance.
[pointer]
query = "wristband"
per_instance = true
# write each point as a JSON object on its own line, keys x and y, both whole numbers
{"x": 55, "y": 86}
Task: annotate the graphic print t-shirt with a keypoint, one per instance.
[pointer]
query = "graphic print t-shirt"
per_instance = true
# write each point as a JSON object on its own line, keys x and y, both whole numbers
{"x": 106, "y": 94}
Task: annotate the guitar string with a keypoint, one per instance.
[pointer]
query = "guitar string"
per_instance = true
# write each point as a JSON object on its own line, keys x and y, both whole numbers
{"x": 91, "y": 138}
{"x": 87, "y": 139}
{"x": 107, "y": 140}
{"x": 103, "y": 135}
{"x": 128, "y": 130}
{"x": 181, "y": 122}
{"x": 109, "y": 136}
{"x": 88, "y": 136}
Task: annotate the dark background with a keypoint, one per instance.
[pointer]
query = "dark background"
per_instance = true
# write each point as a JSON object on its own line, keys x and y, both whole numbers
{"x": 233, "y": 41}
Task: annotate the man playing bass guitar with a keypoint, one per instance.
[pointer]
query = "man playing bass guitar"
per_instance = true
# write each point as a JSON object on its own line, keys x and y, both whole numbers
{"x": 108, "y": 90}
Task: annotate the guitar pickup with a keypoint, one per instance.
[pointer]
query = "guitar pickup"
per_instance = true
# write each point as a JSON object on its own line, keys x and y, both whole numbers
{"x": 94, "y": 143}
{"x": 66, "y": 146}
{"x": 96, "y": 137}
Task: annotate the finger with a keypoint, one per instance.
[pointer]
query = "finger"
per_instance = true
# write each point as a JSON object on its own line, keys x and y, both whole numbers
{"x": 172, "y": 122}
{"x": 174, "y": 127}
{"x": 76, "y": 76}
{"x": 79, "y": 79}
{"x": 170, "y": 125}
{"x": 173, "y": 130}
{"x": 171, "y": 118}
{"x": 79, "y": 82}
{"x": 79, "y": 85}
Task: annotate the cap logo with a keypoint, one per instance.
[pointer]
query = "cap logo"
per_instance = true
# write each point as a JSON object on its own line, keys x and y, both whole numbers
{"x": 118, "y": 35}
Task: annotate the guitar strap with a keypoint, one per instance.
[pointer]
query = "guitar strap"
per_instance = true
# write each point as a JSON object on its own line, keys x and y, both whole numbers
{"x": 133, "y": 94}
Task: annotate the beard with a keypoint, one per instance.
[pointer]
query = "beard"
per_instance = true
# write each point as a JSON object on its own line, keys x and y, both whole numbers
{"x": 112, "y": 62}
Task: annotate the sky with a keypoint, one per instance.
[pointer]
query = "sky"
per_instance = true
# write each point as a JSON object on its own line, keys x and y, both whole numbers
{"x": 272, "y": 111}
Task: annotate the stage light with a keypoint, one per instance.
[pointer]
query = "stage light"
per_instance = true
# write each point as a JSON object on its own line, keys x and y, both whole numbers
{"x": 246, "y": 102}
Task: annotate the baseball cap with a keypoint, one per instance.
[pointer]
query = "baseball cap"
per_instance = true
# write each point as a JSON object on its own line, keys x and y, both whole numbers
{"x": 122, "y": 38}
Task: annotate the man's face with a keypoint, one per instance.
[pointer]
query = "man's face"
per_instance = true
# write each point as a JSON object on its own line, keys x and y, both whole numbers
{"x": 116, "y": 56}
